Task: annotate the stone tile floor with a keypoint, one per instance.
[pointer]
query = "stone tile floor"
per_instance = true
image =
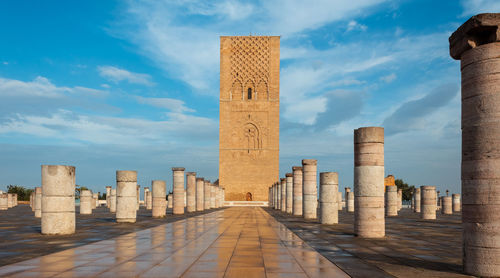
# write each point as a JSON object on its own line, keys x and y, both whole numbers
{"x": 234, "y": 242}
{"x": 20, "y": 237}
{"x": 411, "y": 248}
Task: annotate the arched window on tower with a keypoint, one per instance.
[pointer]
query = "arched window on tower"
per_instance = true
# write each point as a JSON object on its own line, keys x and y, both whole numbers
{"x": 249, "y": 93}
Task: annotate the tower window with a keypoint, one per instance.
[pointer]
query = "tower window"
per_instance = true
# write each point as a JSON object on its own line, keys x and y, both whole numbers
{"x": 249, "y": 93}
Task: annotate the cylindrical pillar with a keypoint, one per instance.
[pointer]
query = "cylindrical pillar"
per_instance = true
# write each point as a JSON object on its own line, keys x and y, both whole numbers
{"x": 170, "y": 201}
{"x": 477, "y": 45}
{"x": 58, "y": 200}
{"x": 269, "y": 198}
{"x": 200, "y": 194}
{"x": 278, "y": 186}
{"x": 428, "y": 202}
{"x": 108, "y": 193}
{"x": 126, "y": 196}
{"x": 178, "y": 184}
{"x": 369, "y": 221}
{"x": 391, "y": 201}
{"x": 400, "y": 199}
{"x": 191, "y": 191}
{"x": 349, "y": 200}
{"x": 38, "y": 202}
{"x": 146, "y": 190}
{"x": 417, "y": 200}
{"x": 447, "y": 205}
{"x": 456, "y": 202}
{"x": 283, "y": 194}
{"x": 206, "y": 196}
{"x": 212, "y": 196}
{"x": 297, "y": 190}
{"x": 328, "y": 188}
{"x": 159, "y": 208}
{"x": 10, "y": 200}
{"x": 112, "y": 201}
{"x": 289, "y": 192}
{"x": 309, "y": 188}
{"x": 339, "y": 200}
{"x": 4, "y": 201}
{"x": 95, "y": 200}
{"x": 149, "y": 203}
{"x": 86, "y": 200}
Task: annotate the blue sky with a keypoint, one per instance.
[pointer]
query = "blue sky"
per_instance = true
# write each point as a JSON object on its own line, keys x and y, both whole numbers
{"x": 133, "y": 85}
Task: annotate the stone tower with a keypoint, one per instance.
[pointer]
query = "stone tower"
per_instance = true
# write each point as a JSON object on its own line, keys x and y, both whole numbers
{"x": 249, "y": 116}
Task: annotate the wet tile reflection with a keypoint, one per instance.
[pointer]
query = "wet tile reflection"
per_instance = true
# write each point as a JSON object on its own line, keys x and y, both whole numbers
{"x": 235, "y": 242}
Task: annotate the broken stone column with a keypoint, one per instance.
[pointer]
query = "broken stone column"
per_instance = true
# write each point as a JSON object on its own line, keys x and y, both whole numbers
{"x": 191, "y": 191}
{"x": 212, "y": 196}
{"x": 58, "y": 200}
{"x": 38, "y": 202}
{"x": 477, "y": 45}
{"x": 170, "y": 201}
{"x": 200, "y": 194}
{"x": 278, "y": 187}
{"x": 10, "y": 203}
{"x": 369, "y": 221}
{"x": 349, "y": 196}
{"x": 428, "y": 202}
{"x": 456, "y": 202}
{"x": 289, "y": 192}
{"x": 95, "y": 200}
{"x": 328, "y": 188}
{"x": 86, "y": 202}
{"x": 206, "y": 197}
{"x": 4, "y": 201}
{"x": 159, "y": 208}
{"x": 126, "y": 196}
{"x": 149, "y": 203}
{"x": 112, "y": 201}
{"x": 309, "y": 188}
{"x": 297, "y": 190}
{"x": 447, "y": 205}
{"x": 178, "y": 184}
{"x": 270, "y": 197}
{"x": 15, "y": 199}
{"x": 391, "y": 201}
{"x": 283, "y": 194}
{"x": 32, "y": 200}
{"x": 417, "y": 200}
{"x": 146, "y": 204}
{"x": 400, "y": 199}
{"x": 108, "y": 193}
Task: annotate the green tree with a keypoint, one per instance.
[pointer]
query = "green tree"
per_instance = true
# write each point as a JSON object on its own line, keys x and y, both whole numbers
{"x": 407, "y": 189}
{"x": 23, "y": 194}
{"x": 79, "y": 189}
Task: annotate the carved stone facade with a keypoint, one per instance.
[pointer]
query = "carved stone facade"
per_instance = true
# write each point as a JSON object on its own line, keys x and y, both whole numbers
{"x": 249, "y": 116}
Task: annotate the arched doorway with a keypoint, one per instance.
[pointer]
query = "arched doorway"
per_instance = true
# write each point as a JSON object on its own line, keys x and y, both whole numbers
{"x": 249, "y": 196}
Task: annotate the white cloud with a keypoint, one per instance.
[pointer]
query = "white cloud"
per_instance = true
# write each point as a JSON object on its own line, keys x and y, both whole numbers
{"x": 174, "y": 105}
{"x": 354, "y": 25}
{"x": 5, "y": 62}
{"x": 116, "y": 75}
{"x": 473, "y": 7}
{"x": 389, "y": 78}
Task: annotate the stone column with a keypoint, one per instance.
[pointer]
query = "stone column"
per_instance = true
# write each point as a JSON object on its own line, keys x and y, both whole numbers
{"x": 191, "y": 191}
{"x": 283, "y": 194}
{"x": 126, "y": 196}
{"x": 146, "y": 204}
{"x": 329, "y": 186}
{"x": 413, "y": 200}
{"x": 4, "y": 201}
{"x": 9, "y": 200}
{"x": 297, "y": 190}
{"x": 428, "y": 202}
{"x": 170, "y": 201}
{"x": 477, "y": 45}
{"x": 86, "y": 202}
{"x": 159, "y": 208}
{"x": 38, "y": 202}
{"x": 447, "y": 206}
{"x": 349, "y": 196}
{"x": 149, "y": 203}
{"x": 138, "y": 195}
{"x": 206, "y": 197}
{"x": 178, "y": 184}
{"x": 95, "y": 198}
{"x": 58, "y": 200}
{"x": 212, "y": 196}
{"x": 32, "y": 200}
{"x": 400, "y": 199}
{"x": 270, "y": 197}
{"x": 417, "y": 200}
{"x": 200, "y": 194}
{"x": 278, "y": 187}
{"x": 15, "y": 199}
{"x": 369, "y": 221}
{"x": 289, "y": 192}
{"x": 339, "y": 200}
{"x": 456, "y": 202}
{"x": 309, "y": 188}
{"x": 108, "y": 192}
{"x": 391, "y": 201}
{"x": 112, "y": 201}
